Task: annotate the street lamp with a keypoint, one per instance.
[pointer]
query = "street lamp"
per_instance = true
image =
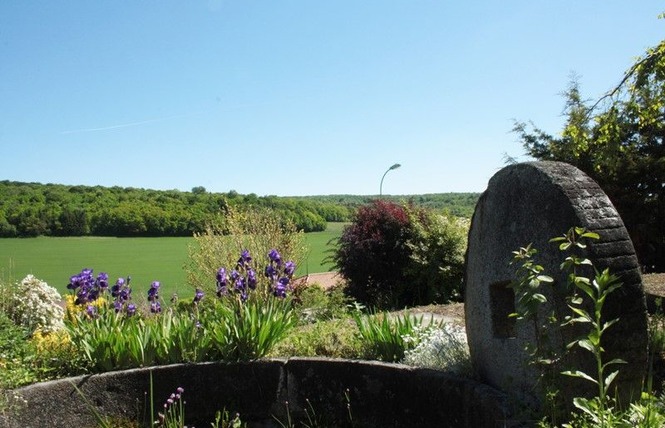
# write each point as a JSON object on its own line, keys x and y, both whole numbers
{"x": 395, "y": 166}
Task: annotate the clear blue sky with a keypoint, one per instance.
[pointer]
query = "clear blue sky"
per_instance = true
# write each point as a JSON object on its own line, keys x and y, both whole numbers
{"x": 297, "y": 97}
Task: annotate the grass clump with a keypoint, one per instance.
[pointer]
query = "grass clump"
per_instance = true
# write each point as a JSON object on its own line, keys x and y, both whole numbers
{"x": 387, "y": 337}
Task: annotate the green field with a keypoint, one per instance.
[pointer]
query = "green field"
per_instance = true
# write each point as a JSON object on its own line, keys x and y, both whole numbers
{"x": 54, "y": 260}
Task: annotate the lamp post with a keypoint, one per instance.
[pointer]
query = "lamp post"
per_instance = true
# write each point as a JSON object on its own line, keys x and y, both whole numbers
{"x": 395, "y": 166}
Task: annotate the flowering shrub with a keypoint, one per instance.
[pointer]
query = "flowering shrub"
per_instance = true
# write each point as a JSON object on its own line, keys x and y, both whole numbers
{"x": 443, "y": 347}
{"x": 36, "y": 305}
{"x": 122, "y": 294}
{"x": 255, "y": 230}
{"x": 54, "y": 342}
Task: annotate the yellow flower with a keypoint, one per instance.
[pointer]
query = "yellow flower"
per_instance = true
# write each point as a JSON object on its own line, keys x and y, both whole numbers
{"x": 72, "y": 309}
{"x": 50, "y": 342}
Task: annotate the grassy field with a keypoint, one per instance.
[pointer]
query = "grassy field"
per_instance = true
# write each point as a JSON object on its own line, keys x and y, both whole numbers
{"x": 54, "y": 260}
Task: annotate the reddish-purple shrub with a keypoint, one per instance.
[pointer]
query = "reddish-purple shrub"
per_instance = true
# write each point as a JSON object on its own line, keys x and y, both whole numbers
{"x": 372, "y": 252}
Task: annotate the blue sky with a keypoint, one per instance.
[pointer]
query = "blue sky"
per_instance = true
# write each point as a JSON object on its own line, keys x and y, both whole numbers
{"x": 297, "y": 97}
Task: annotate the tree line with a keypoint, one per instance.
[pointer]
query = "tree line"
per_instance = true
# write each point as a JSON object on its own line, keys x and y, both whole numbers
{"x": 35, "y": 209}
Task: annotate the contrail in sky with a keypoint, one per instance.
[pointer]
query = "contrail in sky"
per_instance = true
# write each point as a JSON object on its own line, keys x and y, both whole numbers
{"x": 127, "y": 125}
{"x": 161, "y": 119}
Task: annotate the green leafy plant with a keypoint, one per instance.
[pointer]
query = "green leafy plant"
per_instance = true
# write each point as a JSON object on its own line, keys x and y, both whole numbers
{"x": 316, "y": 304}
{"x": 337, "y": 338}
{"x": 586, "y": 296}
{"x": 15, "y": 352}
{"x": 224, "y": 419}
{"x": 383, "y": 334}
{"x": 249, "y": 330}
{"x": 597, "y": 290}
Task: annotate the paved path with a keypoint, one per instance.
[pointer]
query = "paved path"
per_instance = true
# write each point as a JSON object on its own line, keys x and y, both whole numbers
{"x": 325, "y": 279}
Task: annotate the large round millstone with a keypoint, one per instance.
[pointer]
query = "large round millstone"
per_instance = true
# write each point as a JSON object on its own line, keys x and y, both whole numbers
{"x": 532, "y": 203}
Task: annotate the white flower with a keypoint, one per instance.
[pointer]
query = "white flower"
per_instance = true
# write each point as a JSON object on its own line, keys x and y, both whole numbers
{"x": 36, "y": 305}
{"x": 443, "y": 348}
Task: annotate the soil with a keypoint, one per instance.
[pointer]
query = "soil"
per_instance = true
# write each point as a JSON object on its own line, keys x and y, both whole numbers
{"x": 654, "y": 283}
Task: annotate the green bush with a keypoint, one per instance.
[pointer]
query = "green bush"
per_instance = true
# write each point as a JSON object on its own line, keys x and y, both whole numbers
{"x": 337, "y": 338}
{"x": 15, "y": 352}
{"x": 317, "y": 304}
{"x": 436, "y": 266}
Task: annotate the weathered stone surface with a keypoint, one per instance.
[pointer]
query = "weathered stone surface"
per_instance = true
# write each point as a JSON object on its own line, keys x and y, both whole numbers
{"x": 531, "y": 203}
{"x": 380, "y": 395}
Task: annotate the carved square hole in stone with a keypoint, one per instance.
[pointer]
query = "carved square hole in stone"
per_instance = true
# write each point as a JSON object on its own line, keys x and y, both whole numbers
{"x": 502, "y": 304}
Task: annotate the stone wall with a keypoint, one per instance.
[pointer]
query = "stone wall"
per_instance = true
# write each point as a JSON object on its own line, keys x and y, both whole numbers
{"x": 379, "y": 394}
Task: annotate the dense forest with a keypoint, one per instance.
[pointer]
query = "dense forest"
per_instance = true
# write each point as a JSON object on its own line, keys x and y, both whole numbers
{"x": 34, "y": 209}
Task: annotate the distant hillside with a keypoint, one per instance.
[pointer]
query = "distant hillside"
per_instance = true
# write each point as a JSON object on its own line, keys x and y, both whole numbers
{"x": 458, "y": 204}
{"x": 33, "y": 209}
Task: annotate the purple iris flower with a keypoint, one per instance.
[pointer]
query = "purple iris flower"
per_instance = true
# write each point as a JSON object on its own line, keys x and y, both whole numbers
{"x": 274, "y": 256}
{"x": 74, "y": 282}
{"x": 93, "y": 294}
{"x": 271, "y": 272}
{"x": 289, "y": 268}
{"x": 244, "y": 260}
{"x": 153, "y": 292}
{"x": 221, "y": 277}
{"x": 240, "y": 284}
{"x": 82, "y": 281}
{"x": 155, "y": 307}
{"x": 103, "y": 280}
{"x": 198, "y": 296}
{"x": 81, "y": 297}
{"x": 131, "y": 309}
{"x": 251, "y": 279}
{"x": 91, "y": 311}
{"x": 280, "y": 289}
{"x": 119, "y": 284}
{"x": 222, "y": 290}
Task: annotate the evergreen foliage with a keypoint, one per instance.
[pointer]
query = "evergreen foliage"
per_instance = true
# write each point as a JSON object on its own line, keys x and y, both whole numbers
{"x": 618, "y": 141}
